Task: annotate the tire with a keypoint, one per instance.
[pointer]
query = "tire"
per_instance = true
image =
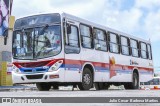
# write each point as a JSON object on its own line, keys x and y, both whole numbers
{"x": 135, "y": 82}
{"x": 43, "y": 86}
{"x": 87, "y": 80}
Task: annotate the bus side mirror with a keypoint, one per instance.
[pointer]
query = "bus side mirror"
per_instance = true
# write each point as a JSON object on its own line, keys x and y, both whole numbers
{"x": 5, "y": 34}
{"x": 69, "y": 29}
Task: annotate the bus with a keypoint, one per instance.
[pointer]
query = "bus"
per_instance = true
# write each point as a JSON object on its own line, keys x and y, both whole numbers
{"x": 153, "y": 84}
{"x": 57, "y": 49}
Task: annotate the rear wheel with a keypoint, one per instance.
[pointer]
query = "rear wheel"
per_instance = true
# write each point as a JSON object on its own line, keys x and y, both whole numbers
{"x": 43, "y": 86}
{"x": 87, "y": 80}
{"x": 135, "y": 82}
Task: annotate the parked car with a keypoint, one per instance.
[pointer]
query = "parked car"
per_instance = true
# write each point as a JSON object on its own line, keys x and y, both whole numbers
{"x": 153, "y": 84}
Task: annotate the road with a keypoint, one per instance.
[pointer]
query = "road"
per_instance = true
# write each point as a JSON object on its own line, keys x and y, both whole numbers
{"x": 91, "y": 93}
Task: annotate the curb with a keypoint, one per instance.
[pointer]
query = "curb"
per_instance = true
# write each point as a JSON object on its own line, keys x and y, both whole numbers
{"x": 18, "y": 89}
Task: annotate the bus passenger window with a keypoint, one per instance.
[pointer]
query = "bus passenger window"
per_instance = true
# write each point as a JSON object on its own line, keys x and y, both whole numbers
{"x": 134, "y": 48}
{"x": 114, "y": 43}
{"x": 86, "y": 36}
{"x": 73, "y": 41}
{"x": 149, "y": 52}
{"x": 125, "y": 45}
{"x": 143, "y": 50}
{"x": 73, "y": 37}
{"x": 100, "y": 39}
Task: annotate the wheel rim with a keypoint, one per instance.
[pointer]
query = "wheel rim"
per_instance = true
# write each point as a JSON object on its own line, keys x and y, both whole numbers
{"x": 87, "y": 79}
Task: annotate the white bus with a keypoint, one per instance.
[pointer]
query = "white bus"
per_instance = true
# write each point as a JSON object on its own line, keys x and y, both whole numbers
{"x": 60, "y": 49}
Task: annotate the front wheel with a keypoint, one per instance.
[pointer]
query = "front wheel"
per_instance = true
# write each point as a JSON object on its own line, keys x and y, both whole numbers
{"x": 87, "y": 80}
{"x": 43, "y": 86}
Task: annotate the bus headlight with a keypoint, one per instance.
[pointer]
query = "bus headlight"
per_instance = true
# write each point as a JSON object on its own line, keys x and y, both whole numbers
{"x": 56, "y": 66}
{"x": 16, "y": 70}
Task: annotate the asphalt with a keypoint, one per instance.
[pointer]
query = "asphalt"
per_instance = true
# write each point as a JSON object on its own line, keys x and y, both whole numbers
{"x": 18, "y": 87}
{"x": 32, "y": 87}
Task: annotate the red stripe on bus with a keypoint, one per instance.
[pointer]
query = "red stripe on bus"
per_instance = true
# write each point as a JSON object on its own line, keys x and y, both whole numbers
{"x": 96, "y": 64}
{"x": 106, "y": 65}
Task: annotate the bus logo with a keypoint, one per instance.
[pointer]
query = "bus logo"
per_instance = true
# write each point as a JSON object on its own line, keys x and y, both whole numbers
{"x": 34, "y": 70}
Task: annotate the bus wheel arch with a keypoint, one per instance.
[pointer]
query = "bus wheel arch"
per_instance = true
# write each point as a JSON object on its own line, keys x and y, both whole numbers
{"x": 91, "y": 67}
{"x": 87, "y": 77}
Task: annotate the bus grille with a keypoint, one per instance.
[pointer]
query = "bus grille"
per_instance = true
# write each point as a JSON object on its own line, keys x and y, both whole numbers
{"x": 27, "y": 70}
{"x": 36, "y": 70}
{"x": 39, "y": 76}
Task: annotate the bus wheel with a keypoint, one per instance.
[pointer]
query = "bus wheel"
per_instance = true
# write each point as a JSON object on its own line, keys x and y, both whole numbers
{"x": 87, "y": 80}
{"x": 43, "y": 86}
{"x": 135, "y": 82}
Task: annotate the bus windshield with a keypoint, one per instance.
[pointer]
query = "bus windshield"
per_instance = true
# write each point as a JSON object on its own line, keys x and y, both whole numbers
{"x": 37, "y": 43}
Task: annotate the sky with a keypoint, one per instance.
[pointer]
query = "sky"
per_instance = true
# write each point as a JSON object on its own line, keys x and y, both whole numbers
{"x": 140, "y": 18}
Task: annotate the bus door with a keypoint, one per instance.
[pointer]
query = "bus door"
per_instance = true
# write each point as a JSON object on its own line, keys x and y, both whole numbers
{"x": 72, "y": 51}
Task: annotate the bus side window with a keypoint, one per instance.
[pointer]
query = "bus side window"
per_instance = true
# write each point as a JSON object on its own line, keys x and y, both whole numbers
{"x": 149, "y": 52}
{"x": 143, "y": 47}
{"x": 73, "y": 40}
{"x": 100, "y": 39}
{"x": 134, "y": 48}
{"x": 125, "y": 45}
{"x": 114, "y": 43}
{"x": 86, "y": 36}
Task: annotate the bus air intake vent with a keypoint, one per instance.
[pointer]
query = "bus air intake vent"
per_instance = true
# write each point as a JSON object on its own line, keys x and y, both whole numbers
{"x": 27, "y": 70}
{"x": 39, "y": 76}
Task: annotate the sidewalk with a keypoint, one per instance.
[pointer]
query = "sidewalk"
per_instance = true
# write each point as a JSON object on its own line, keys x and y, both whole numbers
{"x": 18, "y": 87}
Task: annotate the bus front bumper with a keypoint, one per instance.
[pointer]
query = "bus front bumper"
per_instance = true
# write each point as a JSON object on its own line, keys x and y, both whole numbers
{"x": 55, "y": 76}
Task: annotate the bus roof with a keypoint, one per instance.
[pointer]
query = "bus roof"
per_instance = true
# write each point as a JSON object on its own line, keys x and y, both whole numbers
{"x": 63, "y": 14}
{"x": 102, "y": 27}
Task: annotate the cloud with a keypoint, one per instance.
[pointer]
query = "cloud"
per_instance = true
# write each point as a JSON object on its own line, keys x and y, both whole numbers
{"x": 135, "y": 20}
{"x": 126, "y": 21}
{"x": 152, "y": 25}
{"x": 139, "y": 20}
{"x": 147, "y": 4}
